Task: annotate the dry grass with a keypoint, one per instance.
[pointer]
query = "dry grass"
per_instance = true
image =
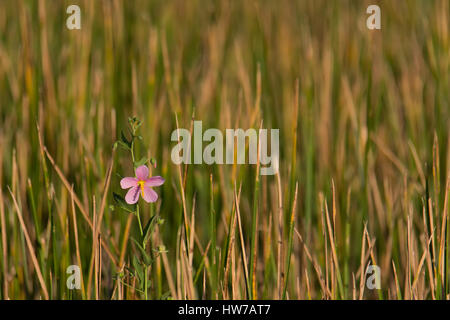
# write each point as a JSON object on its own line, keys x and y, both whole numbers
{"x": 364, "y": 121}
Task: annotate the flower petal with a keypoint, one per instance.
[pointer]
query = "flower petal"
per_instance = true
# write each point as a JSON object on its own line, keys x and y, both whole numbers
{"x": 132, "y": 195}
{"x": 128, "y": 182}
{"x": 149, "y": 195}
{"x": 142, "y": 172}
{"x": 155, "y": 181}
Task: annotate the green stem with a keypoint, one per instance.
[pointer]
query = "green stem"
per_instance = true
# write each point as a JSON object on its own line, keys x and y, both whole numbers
{"x": 132, "y": 150}
{"x": 139, "y": 221}
{"x": 145, "y": 283}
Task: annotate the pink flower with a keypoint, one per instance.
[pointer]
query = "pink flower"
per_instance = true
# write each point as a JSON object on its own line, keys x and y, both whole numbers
{"x": 141, "y": 185}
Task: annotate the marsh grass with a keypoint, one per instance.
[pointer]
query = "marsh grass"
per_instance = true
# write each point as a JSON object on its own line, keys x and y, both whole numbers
{"x": 364, "y": 121}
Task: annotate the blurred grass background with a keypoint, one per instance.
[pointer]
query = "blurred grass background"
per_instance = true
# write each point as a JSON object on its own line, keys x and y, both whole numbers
{"x": 364, "y": 135}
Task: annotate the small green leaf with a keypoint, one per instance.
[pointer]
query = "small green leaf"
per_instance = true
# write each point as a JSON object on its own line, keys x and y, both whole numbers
{"x": 147, "y": 259}
{"x": 149, "y": 227}
{"x": 138, "y": 268}
{"x": 122, "y": 203}
{"x": 141, "y": 162}
{"x": 125, "y": 140}
{"x": 121, "y": 144}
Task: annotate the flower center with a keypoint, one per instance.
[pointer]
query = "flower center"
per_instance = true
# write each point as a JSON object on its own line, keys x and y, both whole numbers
{"x": 141, "y": 184}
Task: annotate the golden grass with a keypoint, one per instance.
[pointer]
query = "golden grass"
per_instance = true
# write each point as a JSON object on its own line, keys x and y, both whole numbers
{"x": 364, "y": 120}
